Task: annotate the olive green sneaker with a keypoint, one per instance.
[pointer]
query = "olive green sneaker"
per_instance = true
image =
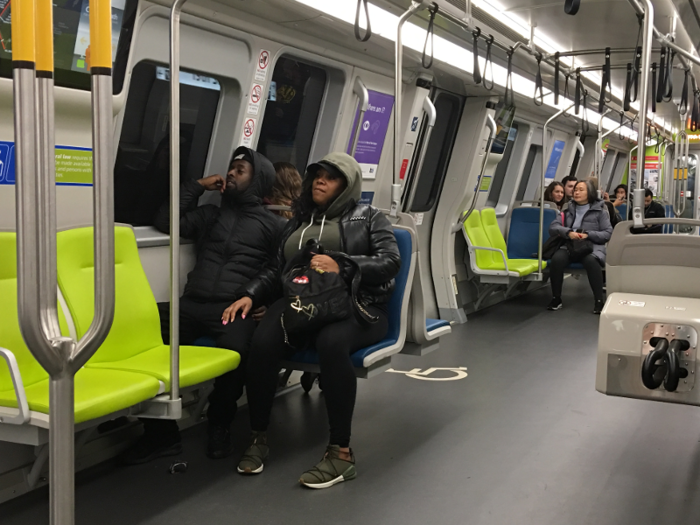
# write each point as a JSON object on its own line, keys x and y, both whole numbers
{"x": 255, "y": 454}
{"x": 330, "y": 471}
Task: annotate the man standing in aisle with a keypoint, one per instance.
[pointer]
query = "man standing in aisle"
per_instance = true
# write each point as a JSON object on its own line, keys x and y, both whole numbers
{"x": 236, "y": 250}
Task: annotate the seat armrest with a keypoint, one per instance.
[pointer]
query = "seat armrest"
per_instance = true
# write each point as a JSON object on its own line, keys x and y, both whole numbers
{"x": 22, "y": 405}
{"x": 472, "y": 249}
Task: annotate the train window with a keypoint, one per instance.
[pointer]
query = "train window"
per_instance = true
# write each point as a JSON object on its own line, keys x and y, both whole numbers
{"x": 292, "y": 110}
{"x": 500, "y": 176}
{"x": 438, "y": 152}
{"x": 142, "y": 169}
{"x": 72, "y": 40}
{"x": 532, "y": 175}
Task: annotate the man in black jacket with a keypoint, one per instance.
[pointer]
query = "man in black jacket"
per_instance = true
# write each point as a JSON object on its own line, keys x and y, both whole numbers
{"x": 652, "y": 210}
{"x": 235, "y": 243}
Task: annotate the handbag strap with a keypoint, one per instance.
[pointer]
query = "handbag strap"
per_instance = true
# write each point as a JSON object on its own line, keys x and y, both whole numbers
{"x": 361, "y": 313}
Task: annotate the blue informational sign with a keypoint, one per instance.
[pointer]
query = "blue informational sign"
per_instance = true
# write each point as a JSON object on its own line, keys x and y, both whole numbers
{"x": 373, "y": 132}
{"x": 7, "y": 163}
{"x": 554, "y": 159}
{"x": 367, "y": 198}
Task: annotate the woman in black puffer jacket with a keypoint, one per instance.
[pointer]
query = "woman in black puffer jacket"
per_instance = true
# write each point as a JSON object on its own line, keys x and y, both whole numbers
{"x": 328, "y": 212}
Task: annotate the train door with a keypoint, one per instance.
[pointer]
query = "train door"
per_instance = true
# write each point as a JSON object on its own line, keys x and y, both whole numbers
{"x": 424, "y": 183}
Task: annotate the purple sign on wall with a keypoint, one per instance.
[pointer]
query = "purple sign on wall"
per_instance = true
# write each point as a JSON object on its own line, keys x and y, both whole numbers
{"x": 372, "y": 133}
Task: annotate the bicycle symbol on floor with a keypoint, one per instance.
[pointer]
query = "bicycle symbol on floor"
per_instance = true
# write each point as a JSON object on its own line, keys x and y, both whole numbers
{"x": 459, "y": 373}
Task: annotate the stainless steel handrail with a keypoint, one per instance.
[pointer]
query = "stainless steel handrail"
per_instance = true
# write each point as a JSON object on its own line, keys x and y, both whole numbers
{"x": 416, "y": 5}
{"x": 597, "y": 161}
{"x": 545, "y": 162}
{"x": 175, "y": 13}
{"x": 581, "y": 152}
{"x": 61, "y": 357}
{"x": 681, "y": 150}
{"x": 363, "y": 103}
{"x": 431, "y": 113}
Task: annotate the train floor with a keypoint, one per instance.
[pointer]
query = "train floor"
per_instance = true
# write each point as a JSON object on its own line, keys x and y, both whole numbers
{"x": 524, "y": 438}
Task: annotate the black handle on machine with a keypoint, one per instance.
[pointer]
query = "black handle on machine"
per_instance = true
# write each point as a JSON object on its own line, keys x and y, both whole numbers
{"x": 649, "y": 366}
{"x": 475, "y": 52}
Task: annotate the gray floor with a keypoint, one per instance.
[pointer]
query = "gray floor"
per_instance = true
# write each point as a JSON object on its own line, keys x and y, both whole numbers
{"x": 525, "y": 438}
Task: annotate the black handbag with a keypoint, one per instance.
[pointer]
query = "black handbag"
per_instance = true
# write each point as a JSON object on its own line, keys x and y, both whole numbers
{"x": 551, "y": 246}
{"x": 315, "y": 298}
{"x": 578, "y": 249}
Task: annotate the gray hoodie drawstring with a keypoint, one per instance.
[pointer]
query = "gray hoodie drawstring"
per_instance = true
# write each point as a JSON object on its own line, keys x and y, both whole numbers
{"x": 311, "y": 222}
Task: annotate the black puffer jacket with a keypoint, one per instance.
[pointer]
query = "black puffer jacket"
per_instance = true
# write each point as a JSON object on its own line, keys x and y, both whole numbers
{"x": 235, "y": 242}
{"x": 366, "y": 235}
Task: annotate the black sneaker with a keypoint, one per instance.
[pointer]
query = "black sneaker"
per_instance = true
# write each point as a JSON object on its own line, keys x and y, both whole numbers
{"x": 219, "y": 445}
{"x": 598, "y": 307}
{"x": 150, "y": 447}
{"x": 556, "y": 304}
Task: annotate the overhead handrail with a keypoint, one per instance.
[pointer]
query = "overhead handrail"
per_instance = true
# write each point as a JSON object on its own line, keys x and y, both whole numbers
{"x": 545, "y": 164}
{"x": 416, "y": 5}
{"x": 431, "y": 114}
{"x": 61, "y": 357}
{"x": 493, "y": 129}
{"x": 363, "y": 103}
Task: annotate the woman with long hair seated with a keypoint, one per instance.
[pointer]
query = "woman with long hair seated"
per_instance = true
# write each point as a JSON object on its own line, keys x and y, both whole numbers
{"x": 586, "y": 228}
{"x": 327, "y": 212}
{"x": 555, "y": 193}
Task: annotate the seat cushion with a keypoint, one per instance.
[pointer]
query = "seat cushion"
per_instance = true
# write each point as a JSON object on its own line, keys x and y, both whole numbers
{"x": 435, "y": 324}
{"x": 524, "y": 267}
{"x": 310, "y": 356}
{"x": 197, "y": 364}
{"x": 97, "y": 393}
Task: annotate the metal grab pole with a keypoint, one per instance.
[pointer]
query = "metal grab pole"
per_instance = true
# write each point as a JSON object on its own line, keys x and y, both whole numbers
{"x": 680, "y": 175}
{"x": 581, "y": 152}
{"x": 647, "y": 35}
{"x": 175, "y": 204}
{"x": 597, "y": 161}
{"x": 431, "y": 113}
{"x": 416, "y": 5}
{"x": 545, "y": 162}
{"x": 363, "y": 103}
{"x": 629, "y": 179}
{"x": 602, "y": 137}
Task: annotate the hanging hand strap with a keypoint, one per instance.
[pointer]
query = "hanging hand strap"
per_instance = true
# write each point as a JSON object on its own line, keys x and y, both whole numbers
{"x": 556, "y": 78}
{"x": 634, "y": 93}
{"x": 566, "y": 85}
{"x": 475, "y": 52}
{"x": 571, "y": 6}
{"x": 430, "y": 36}
{"x": 509, "y": 97}
{"x": 488, "y": 65}
{"x": 585, "y": 125}
{"x": 668, "y": 76}
{"x": 538, "y": 99}
{"x": 662, "y": 78}
{"x": 653, "y": 85}
{"x": 628, "y": 88}
{"x": 620, "y": 136}
{"x": 657, "y": 138}
{"x": 695, "y": 117}
{"x": 605, "y": 82}
{"x": 578, "y": 94}
{"x": 368, "y": 33}
{"x": 683, "y": 107}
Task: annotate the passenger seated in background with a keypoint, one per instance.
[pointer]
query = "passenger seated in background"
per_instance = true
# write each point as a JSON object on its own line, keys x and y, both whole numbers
{"x": 585, "y": 221}
{"x": 615, "y": 217}
{"x": 652, "y": 210}
{"x": 620, "y": 195}
{"x": 286, "y": 189}
{"x": 555, "y": 193}
{"x": 569, "y": 183}
{"x": 326, "y": 211}
{"x": 235, "y": 243}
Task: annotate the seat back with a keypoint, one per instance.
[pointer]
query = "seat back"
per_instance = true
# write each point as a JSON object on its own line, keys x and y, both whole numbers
{"x": 396, "y": 303}
{"x": 136, "y": 326}
{"x": 622, "y": 210}
{"x": 10, "y": 335}
{"x": 476, "y": 236}
{"x": 492, "y": 229}
{"x": 523, "y": 231}
{"x": 653, "y": 264}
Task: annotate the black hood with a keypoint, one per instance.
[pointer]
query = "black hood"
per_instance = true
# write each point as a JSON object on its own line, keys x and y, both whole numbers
{"x": 261, "y": 185}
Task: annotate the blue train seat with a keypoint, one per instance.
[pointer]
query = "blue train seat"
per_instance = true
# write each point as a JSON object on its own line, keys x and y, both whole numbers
{"x": 622, "y": 209}
{"x": 523, "y": 231}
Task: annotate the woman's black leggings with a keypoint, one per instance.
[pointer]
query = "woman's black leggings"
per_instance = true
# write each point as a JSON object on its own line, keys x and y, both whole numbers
{"x": 590, "y": 262}
{"x": 334, "y": 344}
